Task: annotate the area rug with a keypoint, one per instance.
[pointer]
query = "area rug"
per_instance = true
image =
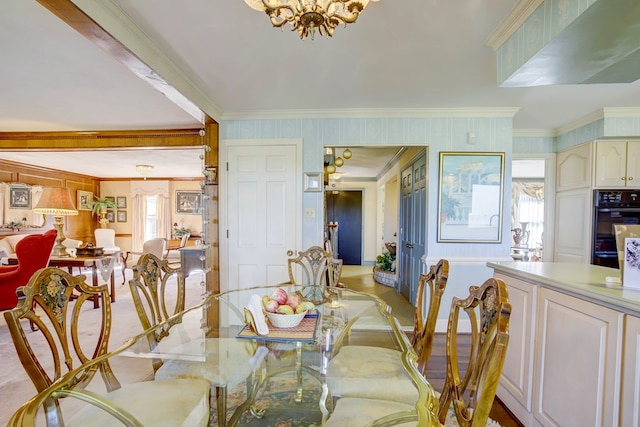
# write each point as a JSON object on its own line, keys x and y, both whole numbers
{"x": 276, "y": 401}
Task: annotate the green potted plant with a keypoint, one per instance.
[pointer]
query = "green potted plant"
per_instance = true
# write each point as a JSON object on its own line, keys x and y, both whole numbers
{"x": 99, "y": 206}
{"x": 386, "y": 261}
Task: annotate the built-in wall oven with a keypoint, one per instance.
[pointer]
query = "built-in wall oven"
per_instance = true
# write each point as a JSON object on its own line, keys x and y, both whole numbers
{"x": 612, "y": 207}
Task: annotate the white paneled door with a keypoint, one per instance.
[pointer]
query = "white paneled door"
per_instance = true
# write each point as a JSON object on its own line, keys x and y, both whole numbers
{"x": 263, "y": 214}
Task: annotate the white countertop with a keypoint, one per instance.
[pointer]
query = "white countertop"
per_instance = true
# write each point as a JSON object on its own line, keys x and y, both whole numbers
{"x": 584, "y": 281}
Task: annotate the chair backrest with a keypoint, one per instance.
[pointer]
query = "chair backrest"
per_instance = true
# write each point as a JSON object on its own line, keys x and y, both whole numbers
{"x": 155, "y": 247}
{"x": 184, "y": 239}
{"x": 425, "y": 327}
{"x": 49, "y": 292}
{"x": 105, "y": 237}
{"x": 32, "y": 252}
{"x": 488, "y": 310}
{"x": 158, "y": 293}
{"x": 311, "y": 267}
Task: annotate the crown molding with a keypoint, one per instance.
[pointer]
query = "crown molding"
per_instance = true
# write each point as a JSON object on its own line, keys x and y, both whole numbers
{"x": 621, "y": 112}
{"x": 537, "y": 133}
{"x": 583, "y": 121}
{"x": 514, "y": 20}
{"x": 371, "y": 113}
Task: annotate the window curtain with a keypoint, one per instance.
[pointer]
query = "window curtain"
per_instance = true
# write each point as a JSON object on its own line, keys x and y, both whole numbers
{"x": 140, "y": 190}
{"x": 528, "y": 207}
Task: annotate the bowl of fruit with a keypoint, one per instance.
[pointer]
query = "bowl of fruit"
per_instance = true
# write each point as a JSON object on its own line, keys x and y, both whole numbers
{"x": 284, "y": 310}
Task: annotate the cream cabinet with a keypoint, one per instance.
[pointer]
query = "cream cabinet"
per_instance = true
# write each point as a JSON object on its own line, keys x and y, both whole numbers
{"x": 573, "y": 218}
{"x": 630, "y": 410}
{"x": 577, "y": 362}
{"x": 617, "y": 164}
{"x": 573, "y": 168}
{"x": 516, "y": 386}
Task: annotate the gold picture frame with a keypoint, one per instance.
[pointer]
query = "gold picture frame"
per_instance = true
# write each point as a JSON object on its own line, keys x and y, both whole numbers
{"x": 470, "y": 197}
{"x": 83, "y": 198}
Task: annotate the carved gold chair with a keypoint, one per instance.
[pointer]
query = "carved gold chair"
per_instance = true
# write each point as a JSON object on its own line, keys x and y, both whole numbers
{"x": 46, "y": 302}
{"x": 471, "y": 392}
{"x": 158, "y": 292}
{"x": 468, "y": 394}
{"x": 314, "y": 267}
{"x": 350, "y": 370}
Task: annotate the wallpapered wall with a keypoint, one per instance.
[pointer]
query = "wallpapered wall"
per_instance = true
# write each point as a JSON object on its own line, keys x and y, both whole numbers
{"x": 493, "y": 134}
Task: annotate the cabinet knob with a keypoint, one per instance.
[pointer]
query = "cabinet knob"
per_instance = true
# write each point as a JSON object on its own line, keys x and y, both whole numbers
{"x": 624, "y": 178}
{"x": 630, "y": 178}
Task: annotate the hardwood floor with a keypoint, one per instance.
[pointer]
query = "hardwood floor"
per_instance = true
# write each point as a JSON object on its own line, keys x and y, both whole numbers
{"x": 360, "y": 278}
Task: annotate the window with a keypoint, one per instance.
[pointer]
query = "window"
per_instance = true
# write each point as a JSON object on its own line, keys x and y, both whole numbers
{"x": 151, "y": 218}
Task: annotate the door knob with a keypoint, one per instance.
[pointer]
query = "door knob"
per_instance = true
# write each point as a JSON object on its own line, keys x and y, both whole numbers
{"x": 289, "y": 252}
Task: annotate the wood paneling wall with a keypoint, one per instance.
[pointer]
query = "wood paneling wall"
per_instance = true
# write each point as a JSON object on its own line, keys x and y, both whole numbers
{"x": 77, "y": 227}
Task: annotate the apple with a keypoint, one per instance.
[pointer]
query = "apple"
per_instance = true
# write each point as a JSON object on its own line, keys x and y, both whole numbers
{"x": 284, "y": 309}
{"x": 280, "y": 296}
{"x": 271, "y": 306}
{"x": 294, "y": 301}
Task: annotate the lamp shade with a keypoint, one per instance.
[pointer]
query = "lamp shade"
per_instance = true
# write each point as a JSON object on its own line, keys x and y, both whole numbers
{"x": 56, "y": 201}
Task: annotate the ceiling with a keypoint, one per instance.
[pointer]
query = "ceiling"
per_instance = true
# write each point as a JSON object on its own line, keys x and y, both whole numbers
{"x": 224, "y": 56}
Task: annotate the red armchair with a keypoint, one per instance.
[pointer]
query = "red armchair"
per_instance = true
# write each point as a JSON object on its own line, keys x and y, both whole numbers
{"x": 33, "y": 253}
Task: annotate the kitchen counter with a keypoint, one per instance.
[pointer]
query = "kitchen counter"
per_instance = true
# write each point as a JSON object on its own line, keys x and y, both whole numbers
{"x": 584, "y": 281}
{"x": 573, "y": 338}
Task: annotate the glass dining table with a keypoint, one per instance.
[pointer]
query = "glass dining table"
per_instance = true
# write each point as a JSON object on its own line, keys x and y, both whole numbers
{"x": 277, "y": 379}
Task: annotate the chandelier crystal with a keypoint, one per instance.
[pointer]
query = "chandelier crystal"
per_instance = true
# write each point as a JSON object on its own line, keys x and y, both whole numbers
{"x": 307, "y": 16}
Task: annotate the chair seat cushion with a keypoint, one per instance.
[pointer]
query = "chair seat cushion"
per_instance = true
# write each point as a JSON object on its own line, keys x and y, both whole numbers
{"x": 221, "y": 361}
{"x": 370, "y": 372}
{"x": 355, "y": 412}
{"x": 180, "y": 402}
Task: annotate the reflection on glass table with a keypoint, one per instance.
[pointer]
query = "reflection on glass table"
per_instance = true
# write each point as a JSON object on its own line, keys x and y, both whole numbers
{"x": 280, "y": 377}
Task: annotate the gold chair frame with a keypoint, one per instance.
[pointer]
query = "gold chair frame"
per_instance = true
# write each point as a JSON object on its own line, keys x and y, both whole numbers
{"x": 424, "y": 328}
{"x": 472, "y": 394}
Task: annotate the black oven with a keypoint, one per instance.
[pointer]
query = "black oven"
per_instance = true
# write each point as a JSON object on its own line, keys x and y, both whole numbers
{"x": 612, "y": 207}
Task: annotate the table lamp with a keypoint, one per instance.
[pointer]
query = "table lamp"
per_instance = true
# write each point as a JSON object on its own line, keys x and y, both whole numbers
{"x": 57, "y": 201}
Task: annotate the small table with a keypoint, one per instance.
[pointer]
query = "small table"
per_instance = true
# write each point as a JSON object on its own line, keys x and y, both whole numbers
{"x": 102, "y": 263}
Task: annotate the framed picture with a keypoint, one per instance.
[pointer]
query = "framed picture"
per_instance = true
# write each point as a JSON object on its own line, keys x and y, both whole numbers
{"x": 111, "y": 198}
{"x": 470, "y": 197}
{"x": 84, "y": 197}
{"x": 19, "y": 197}
{"x": 122, "y": 216}
{"x": 111, "y": 216}
{"x": 313, "y": 181}
{"x": 188, "y": 202}
{"x": 121, "y": 202}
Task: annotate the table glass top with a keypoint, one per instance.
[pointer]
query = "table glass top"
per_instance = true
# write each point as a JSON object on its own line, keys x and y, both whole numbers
{"x": 281, "y": 376}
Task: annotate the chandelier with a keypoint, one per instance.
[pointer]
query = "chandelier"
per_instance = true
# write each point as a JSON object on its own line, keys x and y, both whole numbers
{"x": 305, "y": 16}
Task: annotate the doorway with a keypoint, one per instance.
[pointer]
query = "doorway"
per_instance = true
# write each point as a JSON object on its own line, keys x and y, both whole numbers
{"x": 344, "y": 207}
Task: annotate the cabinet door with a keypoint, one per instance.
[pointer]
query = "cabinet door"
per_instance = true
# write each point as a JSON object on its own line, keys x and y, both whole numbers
{"x": 515, "y": 387}
{"x": 573, "y": 226}
{"x": 574, "y": 168}
{"x": 611, "y": 164}
{"x": 633, "y": 164}
{"x": 577, "y": 363}
{"x": 630, "y": 410}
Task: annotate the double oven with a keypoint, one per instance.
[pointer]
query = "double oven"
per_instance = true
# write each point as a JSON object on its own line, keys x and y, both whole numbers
{"x": 611, "y": 207}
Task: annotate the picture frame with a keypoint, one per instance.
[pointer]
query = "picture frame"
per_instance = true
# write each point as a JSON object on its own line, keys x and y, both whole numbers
{"x": 19, "y": 197}
{"x": 122, "y": 216}
{"x": 313, "y": 181}
{"x": 83, "y": 198}
{"x": 188, "y": 202}
{"x": 111, "y": 216}
{"x": 121, "y": 202}
{"x": 112, "y": 199}
{"x": 470, "y": 197}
